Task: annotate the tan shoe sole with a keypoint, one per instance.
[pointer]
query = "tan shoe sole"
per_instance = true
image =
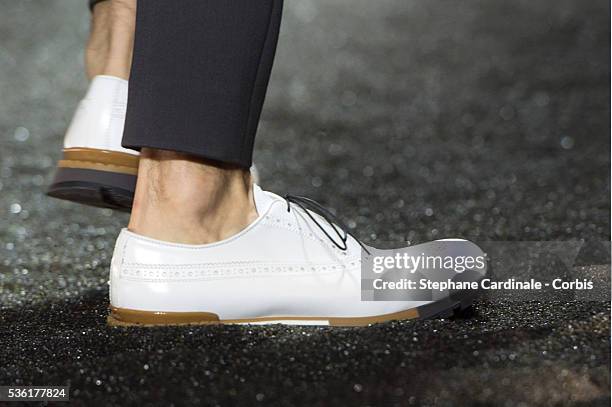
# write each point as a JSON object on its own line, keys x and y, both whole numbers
{"x": 455, "y": 304}
{"x": 127, "y": 317}
{"x": 101, "y": 160}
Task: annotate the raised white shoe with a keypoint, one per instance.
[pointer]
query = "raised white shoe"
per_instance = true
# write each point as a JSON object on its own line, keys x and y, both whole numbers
{"x": 95, "y": 169}
{"x": 289, "y": 266}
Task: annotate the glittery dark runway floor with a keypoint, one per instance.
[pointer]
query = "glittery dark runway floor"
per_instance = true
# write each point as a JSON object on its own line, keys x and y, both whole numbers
{"x": 415, "y": 120}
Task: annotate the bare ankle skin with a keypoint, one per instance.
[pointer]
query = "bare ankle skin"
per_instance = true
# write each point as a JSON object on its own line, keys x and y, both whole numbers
{"x": 182, "y": 199}
{"x": 111, "y": 39}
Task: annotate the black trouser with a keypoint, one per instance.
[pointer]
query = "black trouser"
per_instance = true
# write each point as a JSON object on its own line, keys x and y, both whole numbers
{"x": 199, "y": 76}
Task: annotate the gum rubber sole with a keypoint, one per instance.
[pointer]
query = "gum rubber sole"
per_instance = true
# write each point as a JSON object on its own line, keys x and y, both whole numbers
{"x": 125, "y": 317}
{"x": 98, "y": 178}
{"x": 456, "y": 304}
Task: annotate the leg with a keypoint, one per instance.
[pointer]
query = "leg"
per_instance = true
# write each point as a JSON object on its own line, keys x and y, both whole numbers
{"x": 196, "y": 93}
{"x": 111, "y": 39}
{"x": 180, "y": 198}
{"x": 95, "y": 169}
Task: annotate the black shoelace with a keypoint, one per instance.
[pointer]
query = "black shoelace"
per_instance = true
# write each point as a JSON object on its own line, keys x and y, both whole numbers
{"x": 308, "y": 205}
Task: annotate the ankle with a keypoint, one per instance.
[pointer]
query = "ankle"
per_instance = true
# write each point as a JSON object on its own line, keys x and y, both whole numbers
{"x": 111, "y": 40}
{"x": 185, "y": 200}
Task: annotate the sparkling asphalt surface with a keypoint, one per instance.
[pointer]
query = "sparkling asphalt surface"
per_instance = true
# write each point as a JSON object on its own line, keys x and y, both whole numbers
{"x": 485, "y": 120}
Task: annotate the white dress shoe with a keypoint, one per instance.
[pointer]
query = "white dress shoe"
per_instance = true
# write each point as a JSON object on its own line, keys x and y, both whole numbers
{"x": 94, "y": 169}
{"x": 289, "y": 266}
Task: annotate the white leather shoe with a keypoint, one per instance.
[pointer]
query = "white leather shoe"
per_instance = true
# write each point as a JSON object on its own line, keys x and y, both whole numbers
{"x": 95, "y": 169}
{"x": 283, "y": 268}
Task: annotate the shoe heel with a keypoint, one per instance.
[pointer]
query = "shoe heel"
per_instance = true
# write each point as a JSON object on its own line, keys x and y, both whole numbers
{"x": 95, "y": 188}
{"x": 97, "y": 178}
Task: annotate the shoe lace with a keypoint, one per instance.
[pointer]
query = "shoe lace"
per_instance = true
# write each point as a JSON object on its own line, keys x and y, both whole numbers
{"x": 310, "y": 205}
